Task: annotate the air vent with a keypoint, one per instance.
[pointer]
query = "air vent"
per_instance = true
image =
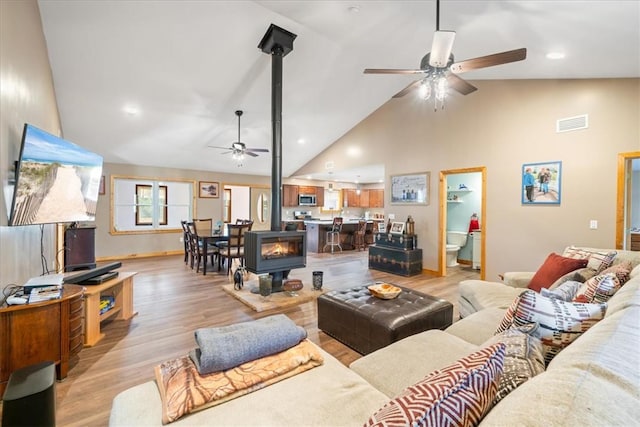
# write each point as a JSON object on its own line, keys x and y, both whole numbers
{"x": 328, "y": 165}
{"x": 572, "y": 123}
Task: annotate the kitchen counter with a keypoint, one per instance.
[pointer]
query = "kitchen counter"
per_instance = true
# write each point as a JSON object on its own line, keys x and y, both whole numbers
{"x": 317, "y": 233}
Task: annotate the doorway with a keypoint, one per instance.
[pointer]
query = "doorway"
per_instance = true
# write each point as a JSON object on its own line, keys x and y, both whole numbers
{"x": 627, "y": 211}
{"x": 453, "y": 198}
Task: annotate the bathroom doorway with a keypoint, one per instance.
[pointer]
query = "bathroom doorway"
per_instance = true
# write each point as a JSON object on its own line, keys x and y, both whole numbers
{"x": 456, "y": 187}
{"x": 628, "y": 211}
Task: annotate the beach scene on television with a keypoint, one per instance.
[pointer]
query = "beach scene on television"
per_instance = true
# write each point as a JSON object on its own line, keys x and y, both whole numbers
{"x": 58, "y": 181}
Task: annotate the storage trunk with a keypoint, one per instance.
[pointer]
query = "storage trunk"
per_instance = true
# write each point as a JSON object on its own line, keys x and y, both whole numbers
{"x": 397, "y": 241}
{"x": 396, "y": 261}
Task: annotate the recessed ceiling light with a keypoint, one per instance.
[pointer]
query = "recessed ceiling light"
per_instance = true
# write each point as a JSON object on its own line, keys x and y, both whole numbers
{"x": 301, "y": 141}
{"x": 354, "y": 9}
{"x": 555, "y": 55}
{"x": 308, "y": 176}
{"x": 131, "y": 110}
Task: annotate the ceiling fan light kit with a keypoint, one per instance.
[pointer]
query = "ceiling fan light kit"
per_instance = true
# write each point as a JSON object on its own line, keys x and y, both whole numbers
{"x": 441, "y": 71}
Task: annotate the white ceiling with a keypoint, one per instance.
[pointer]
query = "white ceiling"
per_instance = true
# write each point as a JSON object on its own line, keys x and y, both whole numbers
{"x": 188, "y": 65}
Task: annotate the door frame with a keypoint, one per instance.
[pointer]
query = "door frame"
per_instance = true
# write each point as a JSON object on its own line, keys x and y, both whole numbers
{"x": 442, "y": 240}
{"x": 623, "y": 207}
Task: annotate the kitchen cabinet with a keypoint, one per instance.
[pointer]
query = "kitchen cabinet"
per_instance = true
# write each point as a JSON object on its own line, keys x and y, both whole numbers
{"x": 364, "y": 198}
{"x": 289, "y": 195}
{"x": 376, "y": 198}
{"x": 319, "y": 196}
{"x": 307, "y": 190}
{"x": 352, "y": 198}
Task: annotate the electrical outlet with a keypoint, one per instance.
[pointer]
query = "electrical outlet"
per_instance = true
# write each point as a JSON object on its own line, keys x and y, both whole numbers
{"x": 181, "y": 239}
{"x": 593, "y": 224}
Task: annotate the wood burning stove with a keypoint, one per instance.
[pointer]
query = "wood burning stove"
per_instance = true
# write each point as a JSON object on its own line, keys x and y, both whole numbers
{"x": 273, "y": 251}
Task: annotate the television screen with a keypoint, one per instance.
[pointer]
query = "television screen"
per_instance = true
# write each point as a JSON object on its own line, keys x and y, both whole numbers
{"x": 56, "y": 181}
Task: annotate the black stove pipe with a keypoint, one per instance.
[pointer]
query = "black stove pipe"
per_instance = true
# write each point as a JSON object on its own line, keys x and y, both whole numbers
{"x": 276, "y": 42}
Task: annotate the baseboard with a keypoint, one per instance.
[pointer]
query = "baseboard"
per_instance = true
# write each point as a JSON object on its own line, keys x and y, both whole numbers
{"x": 134, "y": 256}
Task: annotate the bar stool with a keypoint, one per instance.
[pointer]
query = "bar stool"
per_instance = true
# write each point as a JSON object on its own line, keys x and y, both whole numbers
{"x": 358, "y": 236}
{"x": 333, "y": 235}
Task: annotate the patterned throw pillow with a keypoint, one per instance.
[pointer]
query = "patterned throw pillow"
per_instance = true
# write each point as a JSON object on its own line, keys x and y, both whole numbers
{"x": 560, "y": 322}
{"x": 567, "y": 291}
{"x": 597, "y": 260}
{"x": 554, "y": 267}
{"x": 523, "y": 358}
{"x": 599, "y": 288}
{"x": 458, "y": 395}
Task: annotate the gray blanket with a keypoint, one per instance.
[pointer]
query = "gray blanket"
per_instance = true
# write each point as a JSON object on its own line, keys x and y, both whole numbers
{"x": 229, "y": 346}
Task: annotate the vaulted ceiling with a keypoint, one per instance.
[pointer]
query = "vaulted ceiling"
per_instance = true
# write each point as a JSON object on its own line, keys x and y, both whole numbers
{"x": 157, "y": 82}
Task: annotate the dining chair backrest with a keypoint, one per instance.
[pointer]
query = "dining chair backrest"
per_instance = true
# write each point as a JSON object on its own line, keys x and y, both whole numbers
{"x": 204, "y": 227}
{"x": 235, "y": 236}
{"x": 362, "y": 227}
{"x": 337, "y": 224}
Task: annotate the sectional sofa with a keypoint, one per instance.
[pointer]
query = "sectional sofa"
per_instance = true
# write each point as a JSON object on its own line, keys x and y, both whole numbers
{"x": 594, "y": 381}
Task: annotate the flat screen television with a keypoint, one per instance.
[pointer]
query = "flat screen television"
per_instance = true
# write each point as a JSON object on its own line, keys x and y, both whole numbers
{"x": 56, "y": 181}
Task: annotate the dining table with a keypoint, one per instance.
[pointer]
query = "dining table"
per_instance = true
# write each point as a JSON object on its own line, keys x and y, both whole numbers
{"x": 211, "y": 240}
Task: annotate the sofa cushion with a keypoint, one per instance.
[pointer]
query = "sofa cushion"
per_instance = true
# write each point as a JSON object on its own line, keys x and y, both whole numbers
{"x": 457, "y": 395}
{"x": 476, "y": 295}
{"x": 554, "y": 267}
{"x": 478, "y": 327}
{"x": 566, "y": 291}
{"x": 411, "y": 351}
{"x": 523, "y": 358}
{"x": 560, "y": 322}
{"x": 596, "y": 260}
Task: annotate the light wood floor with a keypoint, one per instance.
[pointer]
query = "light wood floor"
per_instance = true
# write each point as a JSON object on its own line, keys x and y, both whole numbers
{"x": 172, "y": 301}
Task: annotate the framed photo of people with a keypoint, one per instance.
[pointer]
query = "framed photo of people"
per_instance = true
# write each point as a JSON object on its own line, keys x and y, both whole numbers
{"x": 541, "y": 183}
{"x": 410, "y": 189}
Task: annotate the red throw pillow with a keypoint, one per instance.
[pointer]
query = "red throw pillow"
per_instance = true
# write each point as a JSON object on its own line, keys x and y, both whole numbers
{"x": 554, "y": 267}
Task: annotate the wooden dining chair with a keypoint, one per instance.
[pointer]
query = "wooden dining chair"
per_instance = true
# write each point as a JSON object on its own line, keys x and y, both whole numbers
{"x": 234, "y": 245}
{"x": 186, "y": 240}
{"x": 197, "y": 249}
{"x": 204, "y": 226}
{"x": 358, "y": 236}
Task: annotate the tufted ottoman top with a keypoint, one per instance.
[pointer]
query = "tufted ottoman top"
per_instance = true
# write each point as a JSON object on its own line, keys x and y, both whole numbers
{"x": 366, "y": 323}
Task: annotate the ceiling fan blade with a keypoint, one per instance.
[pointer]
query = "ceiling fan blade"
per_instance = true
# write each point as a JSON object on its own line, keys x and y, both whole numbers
{"x": 393, "y": 71}
{"x": 249, "y": 153}
{"x": 221, "y": 148}
{"x": 407, "y": 89}
{"x": 459, "y": 84}
{"x": 226, "y": 152}
{"x": 489, "y": 60}
{"x": 258, "y": 150}
{"x": 441, "y": 48}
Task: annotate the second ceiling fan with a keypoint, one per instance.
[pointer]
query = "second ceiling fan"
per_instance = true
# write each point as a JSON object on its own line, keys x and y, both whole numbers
{"x": 440, "y": 71}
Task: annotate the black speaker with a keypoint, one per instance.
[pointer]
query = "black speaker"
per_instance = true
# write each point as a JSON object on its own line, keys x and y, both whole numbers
{"x": 30, "y": 397}
{"x": 79, "y": 248}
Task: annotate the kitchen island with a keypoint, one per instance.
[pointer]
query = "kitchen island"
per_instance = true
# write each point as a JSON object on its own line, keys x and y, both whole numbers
{"x": 317, "y": 233}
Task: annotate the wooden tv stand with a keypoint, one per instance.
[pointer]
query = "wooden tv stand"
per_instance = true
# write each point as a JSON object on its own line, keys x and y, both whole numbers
{"x": 121, "y": 288}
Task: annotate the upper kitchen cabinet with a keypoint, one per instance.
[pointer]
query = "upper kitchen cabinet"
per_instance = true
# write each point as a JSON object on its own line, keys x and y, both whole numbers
{"x": 290, "y": 195}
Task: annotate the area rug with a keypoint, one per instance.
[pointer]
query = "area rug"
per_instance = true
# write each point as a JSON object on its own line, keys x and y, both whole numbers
{"x": 277, "y": 300}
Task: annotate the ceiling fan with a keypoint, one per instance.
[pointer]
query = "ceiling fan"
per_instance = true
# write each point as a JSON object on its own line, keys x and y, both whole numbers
{"x": 239, "y": 149}
{"x": 441, "y": 71}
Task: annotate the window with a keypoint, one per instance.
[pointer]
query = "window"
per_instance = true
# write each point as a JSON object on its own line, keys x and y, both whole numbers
{"x": 149, "y": 204}
{"x": 141, "y": 205}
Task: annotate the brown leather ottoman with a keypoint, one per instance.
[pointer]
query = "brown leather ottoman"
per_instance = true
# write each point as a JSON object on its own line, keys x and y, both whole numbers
{"x": 366, "y": 323}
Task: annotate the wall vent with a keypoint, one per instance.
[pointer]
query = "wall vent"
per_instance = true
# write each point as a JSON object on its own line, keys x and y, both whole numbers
{"x": 328, "y": 165}
{"x": 572, "y": 123}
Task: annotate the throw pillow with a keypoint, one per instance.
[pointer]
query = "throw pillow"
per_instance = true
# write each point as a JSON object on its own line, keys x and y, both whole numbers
{"x": 580, "y": 275}
{"x": 560, "y": 322}
{"x": 597, "y": 260}
{"x": 566, "y": 291}
{"x": 458, "y": 395}
{"x": 552, "y": 269}
{"x": 523, "y": 358}
{"x": 622, "y": 271}
{"x": 599, "y": 288}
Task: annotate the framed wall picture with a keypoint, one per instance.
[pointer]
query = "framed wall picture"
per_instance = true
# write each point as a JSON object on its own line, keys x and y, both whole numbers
{"x": 397, "y": 227}
{"x": 208, "y": 190}
{"x": 410, "y": 189}
{"x": 382, "y": 227}
{"x": 541, "y": 183}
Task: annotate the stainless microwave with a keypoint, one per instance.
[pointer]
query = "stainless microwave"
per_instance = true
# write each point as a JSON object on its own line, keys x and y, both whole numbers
{"x": 307, "y": 200}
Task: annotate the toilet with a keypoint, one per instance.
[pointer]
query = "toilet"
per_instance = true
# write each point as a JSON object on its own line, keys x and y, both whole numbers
{"x": 455, "y": 240}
